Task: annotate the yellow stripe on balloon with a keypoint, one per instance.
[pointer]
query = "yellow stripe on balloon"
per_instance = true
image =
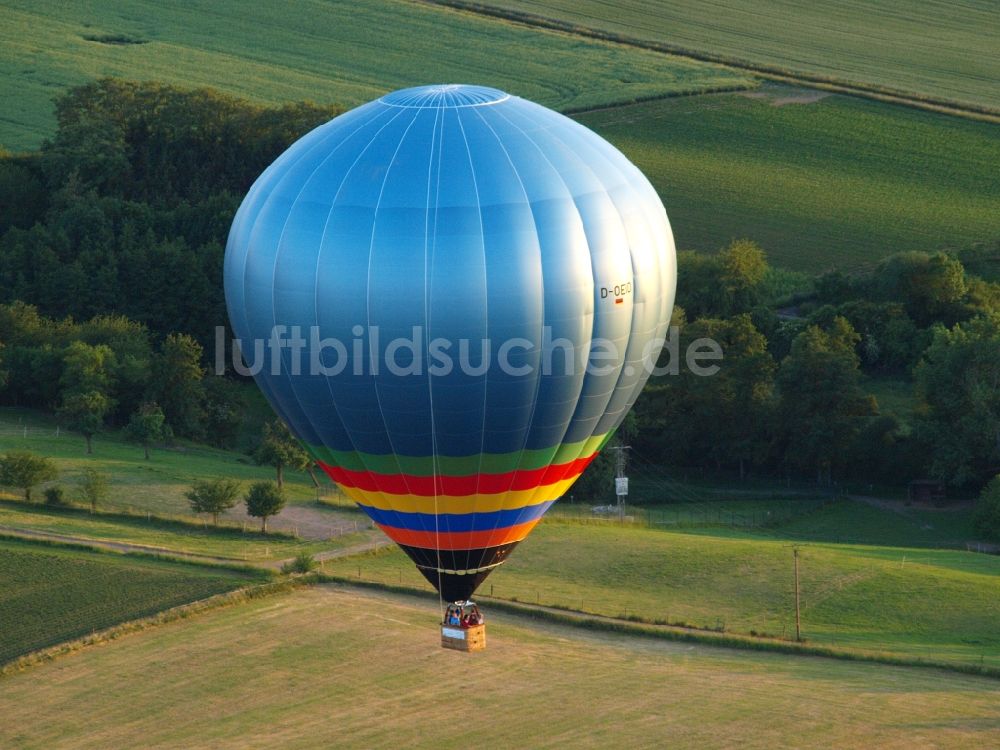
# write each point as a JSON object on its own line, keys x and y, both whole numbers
{"x": 459, "y": 504}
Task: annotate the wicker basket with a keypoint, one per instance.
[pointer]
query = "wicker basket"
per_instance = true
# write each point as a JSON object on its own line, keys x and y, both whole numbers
{"x": 463, "y": 639}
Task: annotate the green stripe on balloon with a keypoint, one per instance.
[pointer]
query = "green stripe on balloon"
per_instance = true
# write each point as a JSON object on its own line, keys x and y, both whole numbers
{"x": 425, "y": 466}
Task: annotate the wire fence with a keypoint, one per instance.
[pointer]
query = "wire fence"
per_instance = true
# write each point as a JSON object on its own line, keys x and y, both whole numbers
{"x": 762, "y": 514}
{"x": 24, "y": 430}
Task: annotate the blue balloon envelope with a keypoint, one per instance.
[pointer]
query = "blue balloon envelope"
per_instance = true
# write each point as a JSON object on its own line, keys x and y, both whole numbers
{"x": 463, "y": 292}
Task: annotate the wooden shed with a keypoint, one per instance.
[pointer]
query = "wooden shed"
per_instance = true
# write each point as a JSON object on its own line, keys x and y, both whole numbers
{"x": 926, "y": 491}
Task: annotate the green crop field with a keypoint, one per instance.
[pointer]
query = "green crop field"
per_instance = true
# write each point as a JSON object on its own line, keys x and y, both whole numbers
{"x": 328, "y": 667}
{"x": 918, "y": 603}
{"x": 834, "y": 182}
{"x": 926, "y": 48}
{"x": 50, "y": 594}
{"x": 345, "y": 53}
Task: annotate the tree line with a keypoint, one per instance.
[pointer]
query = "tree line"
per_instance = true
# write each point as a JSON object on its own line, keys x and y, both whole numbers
{"x": 792, "y": 397}
{"x": 110, "y": 371}
{"x": 126, "y": 209}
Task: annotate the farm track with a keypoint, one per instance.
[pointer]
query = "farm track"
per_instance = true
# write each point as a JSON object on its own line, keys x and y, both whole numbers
{"x": 129, "y": 547}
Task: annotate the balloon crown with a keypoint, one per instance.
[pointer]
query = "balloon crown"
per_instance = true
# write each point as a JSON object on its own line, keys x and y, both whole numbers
{"x": 445, "y": 96}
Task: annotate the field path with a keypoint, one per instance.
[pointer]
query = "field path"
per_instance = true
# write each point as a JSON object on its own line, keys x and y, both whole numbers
{"x": 376, "y": 542}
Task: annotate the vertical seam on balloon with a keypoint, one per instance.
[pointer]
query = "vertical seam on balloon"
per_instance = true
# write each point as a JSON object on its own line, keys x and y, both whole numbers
{"x": 538, "y": 379}
{"x": 429, "y": 290}
{"x": 583, "y": 382}
{"x": 427, "y": 344}
{"x": 640, "y": 383}
{"x": 245, "y": 316}
{"x": 274, "y": 268}
{"x": 486, "y": 315}
{"x": 319, "y": 255}
{"x": 572, "y": 154}
{"x": 658, "y": 332}
{"x": 368, "y": 288}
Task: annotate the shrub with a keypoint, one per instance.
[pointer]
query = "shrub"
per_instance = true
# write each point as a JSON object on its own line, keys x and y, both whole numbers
{"x": 94, "y": 488}
{"x": 303, "y": 563}
{"x": 986, "y": 516}
{"x": 55, "y": 495}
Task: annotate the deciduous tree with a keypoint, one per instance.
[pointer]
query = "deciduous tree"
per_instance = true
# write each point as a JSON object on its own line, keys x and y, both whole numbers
{"x": 279, "y": 449}
{"x": 85, "y": 386}
{"x": 821, "y": 400}
{"x": 265, "y": 499}
{"x": 958, "y": 384}
{"x": 146, "y": 426}
{"x": 84, "y": 413}
{"x": 177, "y": 385}
{"x": 24, "y": 470}
{"x": 213, "y": 496}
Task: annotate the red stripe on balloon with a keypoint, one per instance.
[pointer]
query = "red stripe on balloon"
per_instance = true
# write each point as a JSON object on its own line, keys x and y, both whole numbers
{"x": 470, "y": 484}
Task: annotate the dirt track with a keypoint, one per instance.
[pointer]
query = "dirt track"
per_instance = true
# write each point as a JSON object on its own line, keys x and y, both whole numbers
{"x": 354, "y": 549}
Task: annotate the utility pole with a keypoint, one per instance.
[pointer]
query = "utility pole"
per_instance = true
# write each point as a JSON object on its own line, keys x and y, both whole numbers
{"x": 621, "y": 481}
{"x": 798, "y": 619}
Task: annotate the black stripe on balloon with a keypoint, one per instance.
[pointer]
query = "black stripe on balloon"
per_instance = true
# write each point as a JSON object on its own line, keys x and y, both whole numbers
{"x": 455, "y": 587}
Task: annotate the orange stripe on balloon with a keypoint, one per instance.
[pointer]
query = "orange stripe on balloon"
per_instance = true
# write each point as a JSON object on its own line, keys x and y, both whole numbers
{"x": 459, "y": 540}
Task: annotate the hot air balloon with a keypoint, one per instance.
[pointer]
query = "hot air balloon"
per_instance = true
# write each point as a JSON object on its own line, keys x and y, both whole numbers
{"x": 461, "y": 292}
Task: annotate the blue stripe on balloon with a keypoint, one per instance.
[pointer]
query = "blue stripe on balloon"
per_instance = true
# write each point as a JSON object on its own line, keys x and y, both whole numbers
{"x": 448, "y": 522}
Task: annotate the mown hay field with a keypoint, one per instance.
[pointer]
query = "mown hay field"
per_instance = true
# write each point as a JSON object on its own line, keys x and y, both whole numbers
{"x": 331, "y": 667}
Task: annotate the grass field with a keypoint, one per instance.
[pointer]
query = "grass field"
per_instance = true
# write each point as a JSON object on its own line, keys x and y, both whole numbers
{"x": 327, "y": 667}
{"x": 50, "y": 594}
{"x": 175, "y": 536}
{"x": 748, "y": 512}
{"x": 345, "y": 53}
{"x": 157, "y": 485}
{"x": 858, "y": 522}
{"x": 139, "y": 487}
{"x": 918, "y": 603}
{"x": 838, "y": 182}
{"x": 930, "y": 49}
